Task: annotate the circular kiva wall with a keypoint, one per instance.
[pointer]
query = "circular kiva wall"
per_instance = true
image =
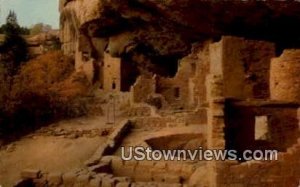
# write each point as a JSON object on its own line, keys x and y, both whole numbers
{"x": 285, "y": 76}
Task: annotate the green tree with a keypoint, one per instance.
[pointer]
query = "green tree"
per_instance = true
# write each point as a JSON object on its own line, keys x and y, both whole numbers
{"x": 14, "y": 49}
{"x": 12, "y": 26}
{"x": 23, "y": 30}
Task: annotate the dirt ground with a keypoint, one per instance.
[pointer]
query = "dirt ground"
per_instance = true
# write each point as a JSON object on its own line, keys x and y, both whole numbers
{"x": 50, "y": 153}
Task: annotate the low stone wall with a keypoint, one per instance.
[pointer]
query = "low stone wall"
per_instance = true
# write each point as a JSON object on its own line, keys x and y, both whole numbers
{"x": 283, "y": 172}
{"x": 157, "y": 122}
{"x": 138, "y": 111}
{"x": 113, "y": 172}
{"x": 99, "y": 176}
{"x": 153, "y": 171}
{"x": 114, "y": 140}
{"x": 197, "y": 117}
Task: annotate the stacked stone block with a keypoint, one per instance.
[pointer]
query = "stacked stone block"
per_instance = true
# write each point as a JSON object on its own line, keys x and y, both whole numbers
{"x": 282, "y": 172}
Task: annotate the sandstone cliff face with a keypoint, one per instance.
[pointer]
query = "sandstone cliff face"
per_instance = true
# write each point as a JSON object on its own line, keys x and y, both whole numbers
{"x": 43, "y": 42}
{"x": 167, "y": 28}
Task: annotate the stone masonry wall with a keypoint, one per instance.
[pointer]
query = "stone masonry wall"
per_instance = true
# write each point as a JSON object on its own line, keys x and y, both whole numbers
{"x": 202, "y": 70}
{"x": 215, "y": 122}
{"x": 178, "y": 91}
{"x": 111, "y": 73}
{"x": 282, "y": 125}
{"x": 143, "y": 87}
{"x": 245, "y": 66}
{"x": 249, "y": 79}
{"x": 285, "y": 79}
{"x": 156, "y": 171}
{"x": 280, "y": 173}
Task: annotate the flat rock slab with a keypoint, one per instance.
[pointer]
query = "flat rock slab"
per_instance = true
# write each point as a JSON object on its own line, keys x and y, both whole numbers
{"x": 114, "y": 141}
{"x": 31, "y": 174}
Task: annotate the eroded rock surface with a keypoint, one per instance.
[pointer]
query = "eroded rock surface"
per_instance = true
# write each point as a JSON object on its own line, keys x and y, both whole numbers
{"x": 169, "y": 27}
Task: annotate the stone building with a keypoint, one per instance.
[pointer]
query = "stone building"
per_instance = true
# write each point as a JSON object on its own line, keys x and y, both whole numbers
{"x": 111, "y": 73}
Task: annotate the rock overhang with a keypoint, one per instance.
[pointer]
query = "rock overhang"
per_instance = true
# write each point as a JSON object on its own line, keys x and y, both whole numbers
{"x": 169, "y": 27}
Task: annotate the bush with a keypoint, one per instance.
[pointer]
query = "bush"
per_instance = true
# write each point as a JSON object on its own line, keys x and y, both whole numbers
{"x": 68, "y": 96}
{"x": 41, "y": 73}
{"x": 45, "y": 89}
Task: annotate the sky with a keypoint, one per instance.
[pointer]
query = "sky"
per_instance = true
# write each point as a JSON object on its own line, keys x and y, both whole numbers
{"x": 30, "y": 12}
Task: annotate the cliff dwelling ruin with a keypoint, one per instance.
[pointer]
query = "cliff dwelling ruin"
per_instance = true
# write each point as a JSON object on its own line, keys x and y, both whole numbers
{"x": 187, "y": 74}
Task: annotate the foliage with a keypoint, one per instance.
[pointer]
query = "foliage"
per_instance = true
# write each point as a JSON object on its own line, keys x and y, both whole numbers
{"x": 14, "y": 49}
{"x": 12, "y": 26}
{"x": 3, "y": 85}
{"x": 45, "y": 89}
{"x": 38, "y": 91}
{"x": 41, "y": 73}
